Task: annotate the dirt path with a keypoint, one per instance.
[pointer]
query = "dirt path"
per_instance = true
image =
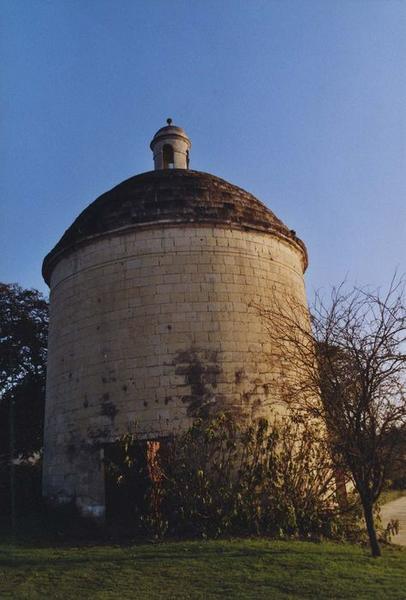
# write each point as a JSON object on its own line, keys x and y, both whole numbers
{"x": 396, "y": 510}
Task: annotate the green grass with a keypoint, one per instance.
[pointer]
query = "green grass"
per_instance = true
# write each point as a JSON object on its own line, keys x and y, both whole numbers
{"x": 200, "y": 570}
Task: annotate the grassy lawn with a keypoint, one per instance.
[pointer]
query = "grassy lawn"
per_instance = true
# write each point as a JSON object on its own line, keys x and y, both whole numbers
{"x": 216, "y": 569}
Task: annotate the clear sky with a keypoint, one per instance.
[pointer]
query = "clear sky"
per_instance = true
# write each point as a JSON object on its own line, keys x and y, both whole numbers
{"x": 300, "y": 102}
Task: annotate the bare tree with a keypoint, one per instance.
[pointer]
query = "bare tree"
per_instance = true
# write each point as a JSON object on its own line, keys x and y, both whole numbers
{"x": 346, "y": 365}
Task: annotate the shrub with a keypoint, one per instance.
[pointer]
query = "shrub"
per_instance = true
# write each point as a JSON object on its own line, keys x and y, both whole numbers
{"x": 222, "y": 478}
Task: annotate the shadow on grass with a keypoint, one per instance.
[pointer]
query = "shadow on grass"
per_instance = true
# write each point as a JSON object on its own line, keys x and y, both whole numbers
{"x": 58, "y": 533}
{"x": 270, "y": 551}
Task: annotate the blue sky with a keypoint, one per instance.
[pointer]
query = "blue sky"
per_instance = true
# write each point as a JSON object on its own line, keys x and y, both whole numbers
{"x": 301, "y": 102}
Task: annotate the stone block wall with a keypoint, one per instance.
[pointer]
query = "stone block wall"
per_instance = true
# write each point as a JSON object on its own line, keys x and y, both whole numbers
{"x": 151, "y": 328}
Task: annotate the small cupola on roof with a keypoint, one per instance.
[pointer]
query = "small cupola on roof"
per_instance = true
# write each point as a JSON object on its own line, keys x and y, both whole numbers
{"x": 170, "y": 146}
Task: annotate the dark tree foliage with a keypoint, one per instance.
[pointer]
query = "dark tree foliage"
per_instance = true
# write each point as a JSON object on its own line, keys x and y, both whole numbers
{"x": 23, "y": 351}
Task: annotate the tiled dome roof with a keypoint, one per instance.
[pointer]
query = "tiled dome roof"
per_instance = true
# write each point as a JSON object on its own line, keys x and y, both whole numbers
{"x": 169, "y": 196}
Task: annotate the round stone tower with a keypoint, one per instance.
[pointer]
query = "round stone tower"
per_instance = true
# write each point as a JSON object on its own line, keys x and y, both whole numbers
{"x": 152, "y": 321}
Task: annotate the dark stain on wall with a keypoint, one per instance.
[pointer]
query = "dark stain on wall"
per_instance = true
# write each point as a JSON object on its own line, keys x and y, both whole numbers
{"x": 200, "y": 370}
{"x": 108, "y": 408}
{"x": 239, "y": 376}
{"x": 70, "y": 452}
{"x": 96, "y": 434}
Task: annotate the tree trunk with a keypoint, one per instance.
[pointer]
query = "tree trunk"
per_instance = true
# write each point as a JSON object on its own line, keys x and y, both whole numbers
{"x": 12, "y": 466}
{"x": 369, "y": 520}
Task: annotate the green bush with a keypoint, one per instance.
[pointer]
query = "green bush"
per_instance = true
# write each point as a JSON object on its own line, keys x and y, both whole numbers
{"x": 220, "y": 478}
